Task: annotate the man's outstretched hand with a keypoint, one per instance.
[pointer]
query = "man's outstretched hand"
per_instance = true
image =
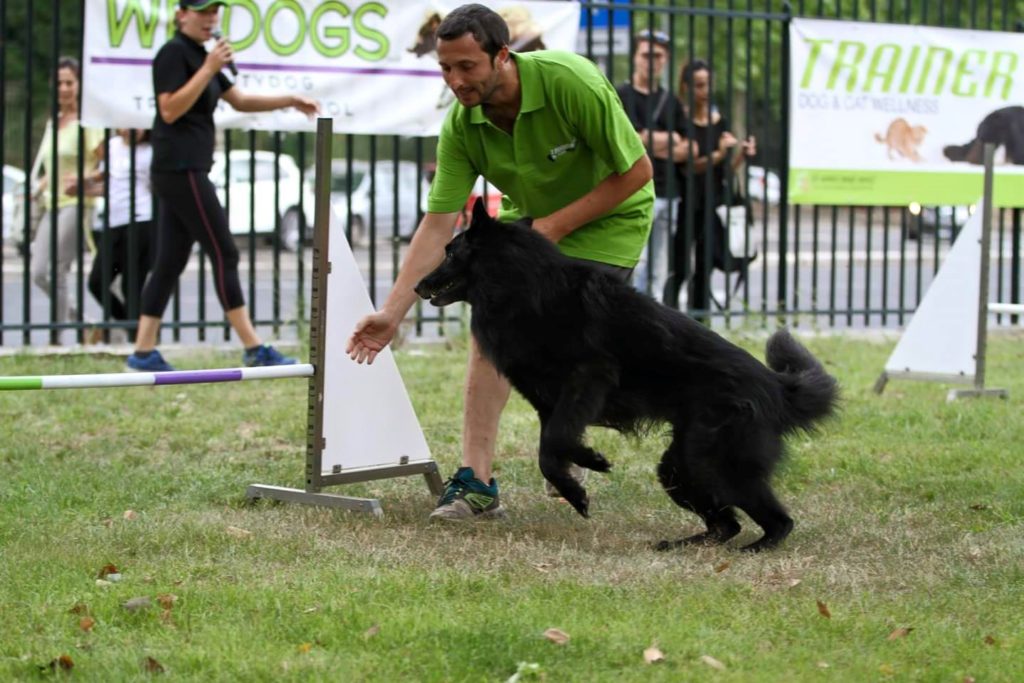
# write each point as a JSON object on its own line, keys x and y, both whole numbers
{"x": 371, "y": 335}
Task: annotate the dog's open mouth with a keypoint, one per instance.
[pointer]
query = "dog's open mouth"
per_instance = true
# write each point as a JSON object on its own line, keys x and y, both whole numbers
{"x": 436, "y": 295}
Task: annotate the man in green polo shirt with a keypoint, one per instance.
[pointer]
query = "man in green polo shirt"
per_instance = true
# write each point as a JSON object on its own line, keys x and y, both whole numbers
{"x": 548, "y": 130}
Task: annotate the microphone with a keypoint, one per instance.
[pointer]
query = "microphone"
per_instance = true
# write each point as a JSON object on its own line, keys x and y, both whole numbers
{"x": 231, "y": 64}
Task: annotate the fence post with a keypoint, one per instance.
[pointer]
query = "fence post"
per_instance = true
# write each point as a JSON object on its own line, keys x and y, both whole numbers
{"x": 784, "y": 170}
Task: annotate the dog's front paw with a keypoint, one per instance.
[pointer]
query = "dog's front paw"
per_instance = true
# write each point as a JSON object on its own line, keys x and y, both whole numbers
{"x": 580, "y": 503}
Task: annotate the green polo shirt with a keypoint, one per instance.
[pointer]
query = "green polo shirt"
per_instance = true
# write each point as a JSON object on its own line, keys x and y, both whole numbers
{"x": 571, "y": 133}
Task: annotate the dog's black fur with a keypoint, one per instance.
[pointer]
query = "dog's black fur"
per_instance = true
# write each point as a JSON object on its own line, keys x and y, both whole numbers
{"x": 585, "y": 349}
{"x": 1002, "y": 128}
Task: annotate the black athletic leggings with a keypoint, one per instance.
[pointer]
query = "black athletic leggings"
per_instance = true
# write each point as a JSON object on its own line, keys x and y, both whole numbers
{"x": 190, "y": 212}
{"x": 113, "y": 246}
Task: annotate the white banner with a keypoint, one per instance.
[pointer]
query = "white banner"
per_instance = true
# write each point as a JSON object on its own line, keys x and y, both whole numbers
{"x": 370, "y": 65}
{"x": 887, "y": 114}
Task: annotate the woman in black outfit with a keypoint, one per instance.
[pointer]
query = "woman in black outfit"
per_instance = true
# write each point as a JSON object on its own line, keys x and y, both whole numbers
{"x": 188, "y": 83}
{"x": 698, "y": 225}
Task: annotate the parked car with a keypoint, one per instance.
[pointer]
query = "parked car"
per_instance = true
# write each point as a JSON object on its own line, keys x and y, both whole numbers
{"x": 14, "y": 188}
{"x": 288, "y": 190}
{"x": 408, "y": 177}
{"x": 932, "y": 219}
{"x": 763, "y": 184}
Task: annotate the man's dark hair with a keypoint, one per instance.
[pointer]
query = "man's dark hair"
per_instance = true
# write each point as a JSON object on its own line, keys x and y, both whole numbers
{"x": 486, "y": 25}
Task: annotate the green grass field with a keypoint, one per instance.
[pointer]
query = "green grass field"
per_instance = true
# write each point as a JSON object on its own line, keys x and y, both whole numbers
{"x": 906, "y": 563}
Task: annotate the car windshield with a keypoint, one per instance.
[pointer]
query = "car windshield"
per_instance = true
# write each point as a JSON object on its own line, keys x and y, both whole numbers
{"x": 340, "y": 181}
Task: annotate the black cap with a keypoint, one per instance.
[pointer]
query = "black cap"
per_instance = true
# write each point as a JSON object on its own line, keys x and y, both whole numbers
{"x": 199, "y": 5}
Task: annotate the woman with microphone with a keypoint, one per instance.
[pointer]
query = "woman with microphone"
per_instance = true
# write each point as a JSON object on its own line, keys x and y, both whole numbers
{"x": 188, "y": 82}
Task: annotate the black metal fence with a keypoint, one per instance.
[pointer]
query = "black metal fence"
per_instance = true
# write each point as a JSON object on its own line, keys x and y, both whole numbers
{"x": 818, "y": 266}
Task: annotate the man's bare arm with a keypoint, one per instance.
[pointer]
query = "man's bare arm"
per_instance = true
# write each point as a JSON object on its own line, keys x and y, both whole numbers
{"x": 605, "y": 196}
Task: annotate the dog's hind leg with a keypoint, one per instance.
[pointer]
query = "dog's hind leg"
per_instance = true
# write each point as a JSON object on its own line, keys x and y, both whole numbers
{"x": 694, "y": 486}
{"x": 561, "y": 440}
{"x": 766, "y": 510}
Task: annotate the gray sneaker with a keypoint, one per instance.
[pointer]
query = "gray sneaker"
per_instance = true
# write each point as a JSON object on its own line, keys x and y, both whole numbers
{"x": 466, "y": 497}
{"x": 576, "y": 472}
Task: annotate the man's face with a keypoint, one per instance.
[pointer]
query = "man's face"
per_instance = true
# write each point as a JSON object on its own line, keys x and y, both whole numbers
{"x": 649, "y": 60}
{"x": 468, "y": 70}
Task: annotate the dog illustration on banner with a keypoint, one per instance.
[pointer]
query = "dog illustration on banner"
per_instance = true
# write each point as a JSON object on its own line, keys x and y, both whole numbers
{"x": 903, "y": 139}
{"x": 1003, "y": 128}
{"x": 586, "y": 349}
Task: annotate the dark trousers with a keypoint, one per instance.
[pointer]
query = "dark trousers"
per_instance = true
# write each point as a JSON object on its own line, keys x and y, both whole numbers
{"x": 123, "y": 251}
{"x": 190, "y": 212}
{"x": 698, "y": 248}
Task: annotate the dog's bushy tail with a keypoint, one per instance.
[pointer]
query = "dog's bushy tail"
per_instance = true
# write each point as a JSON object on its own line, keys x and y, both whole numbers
{"x": 811, "y": 394}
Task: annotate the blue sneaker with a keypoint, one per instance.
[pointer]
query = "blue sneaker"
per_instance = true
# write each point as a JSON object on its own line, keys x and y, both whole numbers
{"x": 149, "y": 362}
{"x": 264, "y": 355}
{"x": 466, "y": 497}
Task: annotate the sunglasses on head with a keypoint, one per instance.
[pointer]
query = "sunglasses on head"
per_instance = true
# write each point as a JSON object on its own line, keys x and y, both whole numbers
{"x": 658, "y": 37}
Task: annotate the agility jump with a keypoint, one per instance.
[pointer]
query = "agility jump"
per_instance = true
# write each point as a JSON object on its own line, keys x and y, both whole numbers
{"x": 143, "y": 379}
{"x": 372, "y": 432}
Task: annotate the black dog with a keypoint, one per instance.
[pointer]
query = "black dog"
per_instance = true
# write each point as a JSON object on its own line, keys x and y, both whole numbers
{"x": 585, "y": 349}
{"x": 1003, "y": 128}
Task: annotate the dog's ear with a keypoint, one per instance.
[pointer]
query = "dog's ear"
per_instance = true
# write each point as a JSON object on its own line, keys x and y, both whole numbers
{"x": 480, "y": 215}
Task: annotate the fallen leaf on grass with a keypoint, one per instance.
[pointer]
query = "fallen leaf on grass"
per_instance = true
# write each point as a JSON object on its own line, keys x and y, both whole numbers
{"x": 136, "y": 604}
{"x": 103, "y": 583}
{"x": 542, "y": 567}
{"x": 823, "y": 610}
{"x": 150, "y": 665}
{"x": 129, "y": 515}
{"x": 653, "y": 655}
{"x": 557, "y": 636}
{"x": 166, "y": 600}
{"x": 793, "y": 583}
{"x": 310, "y": 610}
{"x": 823, "y": 665}
{"x": 901, "y": 632}
{"x": 886, "y": 669}
{"x": 989, "y": 640}
{"x": 980, "y": 506}
{"x": 86, "y": 624}
{"x": 64, "y": 663}
{"x": 238, "y": 532}
{"x": 372, "y": 631}
{"x": 722, "y": 567}
{"x": 304, "y": 648}
{"x": 106, "y": 571}
{"x": 712, "y": 662}
{"x": 79, "y": 608}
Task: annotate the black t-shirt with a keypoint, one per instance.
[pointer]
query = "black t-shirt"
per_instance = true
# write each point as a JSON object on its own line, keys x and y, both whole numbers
{"x": 656, "y": 111}
{"x": 707, "y": 137}
{"x": 187, "y": 144}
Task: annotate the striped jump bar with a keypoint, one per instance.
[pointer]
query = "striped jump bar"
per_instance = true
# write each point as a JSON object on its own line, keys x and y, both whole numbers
{"x": 137, "y": 379}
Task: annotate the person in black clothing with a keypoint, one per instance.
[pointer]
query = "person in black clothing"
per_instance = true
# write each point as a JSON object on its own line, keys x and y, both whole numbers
{"x": 658, "y": 118}
{"x": 188, "y": 82}
{"x": 699, "y": 227}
